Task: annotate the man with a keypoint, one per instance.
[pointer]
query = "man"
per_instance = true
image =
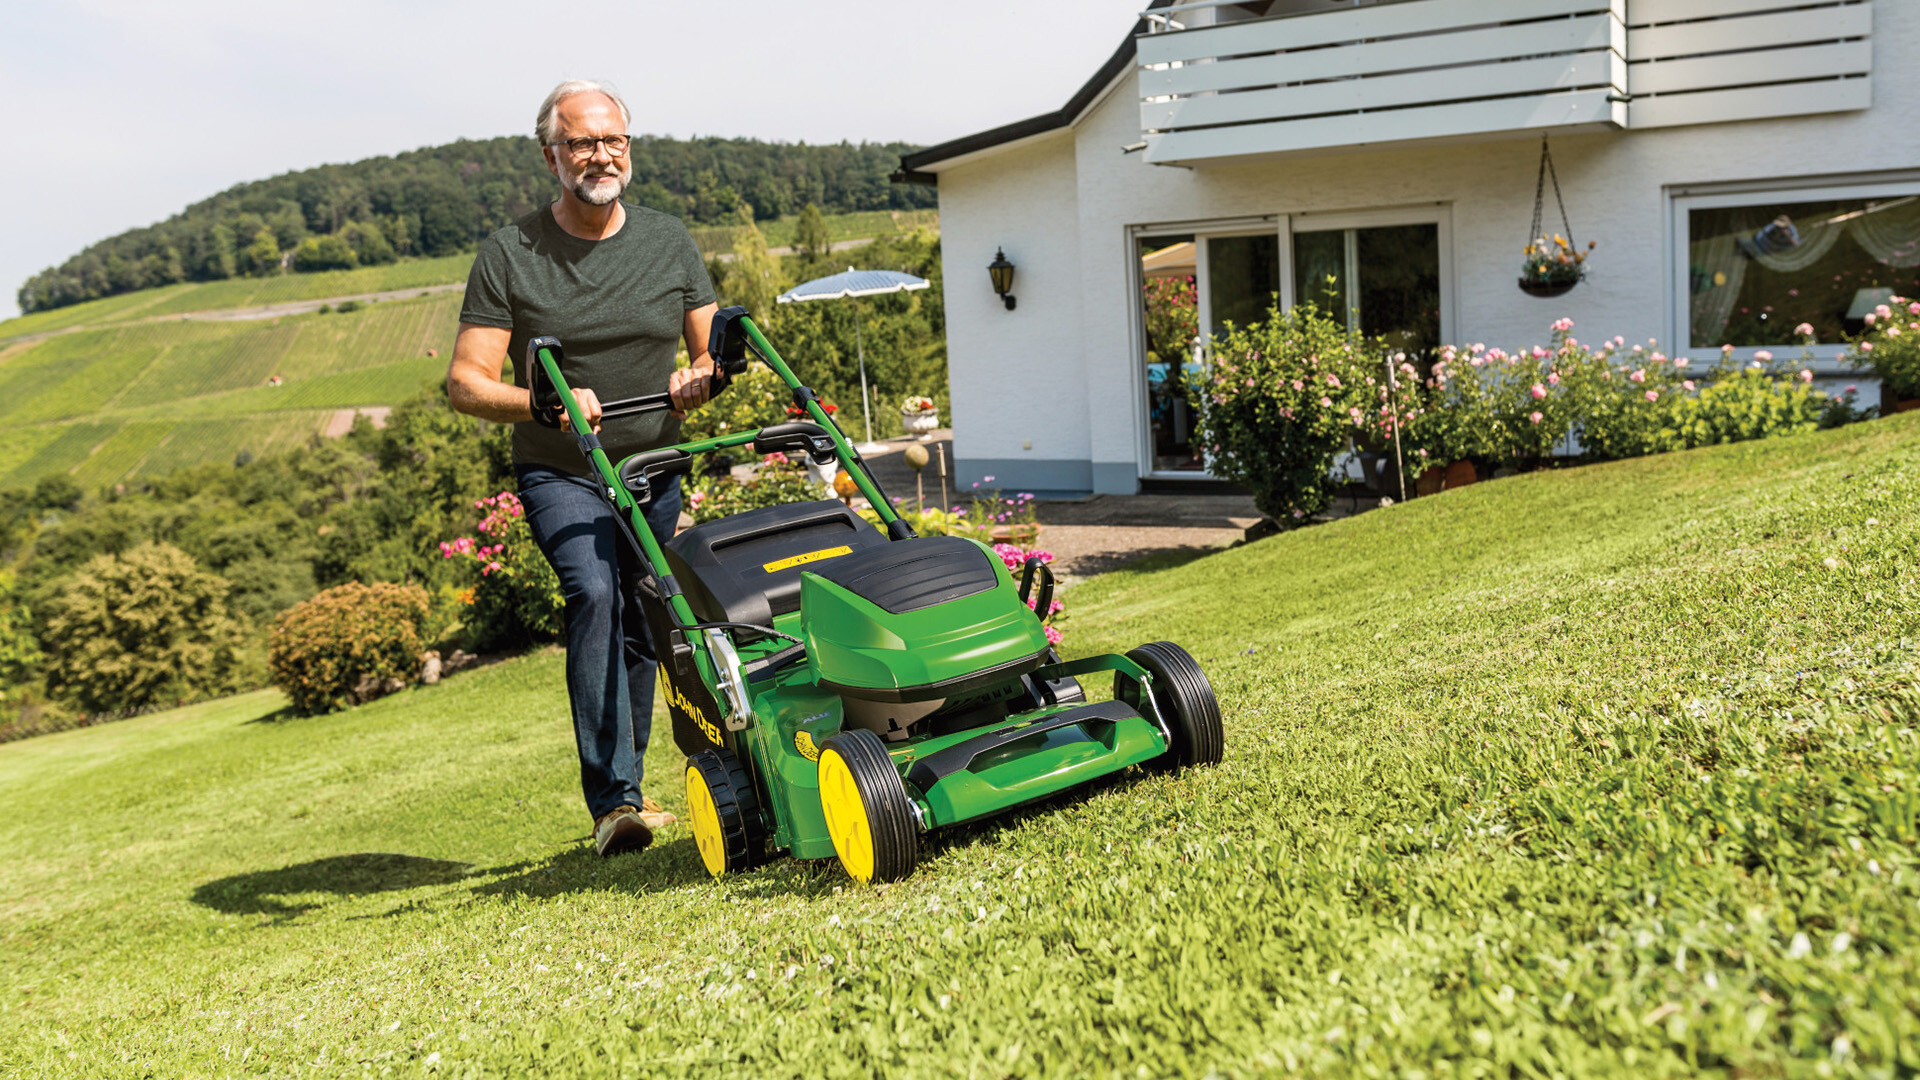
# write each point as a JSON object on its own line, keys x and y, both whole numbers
{"x": 620, "y": 286}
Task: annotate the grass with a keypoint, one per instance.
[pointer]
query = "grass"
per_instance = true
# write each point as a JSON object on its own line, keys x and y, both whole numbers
{"x": 196, "y": 390}
{"x": 1609, "y": 771}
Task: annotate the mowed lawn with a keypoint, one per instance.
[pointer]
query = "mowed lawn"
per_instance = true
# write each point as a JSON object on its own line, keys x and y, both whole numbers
{"x": 1609, "y": 771}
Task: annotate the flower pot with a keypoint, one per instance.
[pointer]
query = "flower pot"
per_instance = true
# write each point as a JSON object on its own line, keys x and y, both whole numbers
{"x": 1460, "y": 474}
{"x": 1430, "y": 481}
{"x": 1020, "y": 536}
{"x": 919, "y": 423}
{"x": 1547, "y": 288}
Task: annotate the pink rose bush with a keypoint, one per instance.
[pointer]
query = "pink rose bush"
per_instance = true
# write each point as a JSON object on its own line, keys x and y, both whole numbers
{"x": 1285, "y": 396}
{"x": 514, "y": 598}
{"x": 1015, "y": 559}
{"x": 1890, "y": 349}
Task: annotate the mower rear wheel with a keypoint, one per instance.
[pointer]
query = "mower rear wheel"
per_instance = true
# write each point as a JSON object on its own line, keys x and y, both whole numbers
{"x": 1186, "y": 701}
{"x": 725, "y": 813}
{"x": 868, "y": 814}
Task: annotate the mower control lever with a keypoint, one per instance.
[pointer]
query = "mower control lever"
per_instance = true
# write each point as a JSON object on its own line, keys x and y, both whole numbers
{"x": 797, "y": 437}
{"x": 639, "y": 472}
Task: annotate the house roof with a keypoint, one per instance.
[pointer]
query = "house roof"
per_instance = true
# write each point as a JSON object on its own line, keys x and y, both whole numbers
{"x": 913, "y": 167}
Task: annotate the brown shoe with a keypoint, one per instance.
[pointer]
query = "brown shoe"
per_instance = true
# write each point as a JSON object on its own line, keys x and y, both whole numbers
{"x": 651, "y": 813}
{"x": 619, "y": 830}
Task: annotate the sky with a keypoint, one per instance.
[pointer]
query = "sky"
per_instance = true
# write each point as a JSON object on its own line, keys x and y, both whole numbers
{"x": 125, "y": 111}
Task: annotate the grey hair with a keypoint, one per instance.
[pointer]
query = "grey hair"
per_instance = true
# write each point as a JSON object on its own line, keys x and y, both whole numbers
{"x": 543, "y": 125}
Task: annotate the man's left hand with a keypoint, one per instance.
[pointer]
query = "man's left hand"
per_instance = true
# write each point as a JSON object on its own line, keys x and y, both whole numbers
{"x": 690, "y": 387}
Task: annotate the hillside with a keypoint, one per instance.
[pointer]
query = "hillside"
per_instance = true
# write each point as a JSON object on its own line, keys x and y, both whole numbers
{"x": 439, "y": 200}
{"x": 1605, "y": 771}
{"x": 118, "y": 401}
{"x": 146, "y": 382}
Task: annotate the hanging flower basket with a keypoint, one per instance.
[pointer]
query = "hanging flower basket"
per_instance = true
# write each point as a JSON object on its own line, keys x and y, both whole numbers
{"x": 1543, "y": 289}
{"x": 1551, "y": 266}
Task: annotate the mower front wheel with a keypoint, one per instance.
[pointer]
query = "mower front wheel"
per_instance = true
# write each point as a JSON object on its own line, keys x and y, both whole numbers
{"x": 1186, "y": 702}
{"x": 868, "y": 814}
{"x": 725, "y": 813}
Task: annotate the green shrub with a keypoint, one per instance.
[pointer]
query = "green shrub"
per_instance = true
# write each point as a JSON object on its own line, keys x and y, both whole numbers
{"x": 778, "y": 481}
{"x": 19, "y": 651}
{"x": 1750, "y": 403}
{"x": 1281, "y": 399}
{"x": 1890, "y": 349}
{"x": 515, "y": 598}
{"x": 144, "y": 627}
{"x": 321, "y": 650}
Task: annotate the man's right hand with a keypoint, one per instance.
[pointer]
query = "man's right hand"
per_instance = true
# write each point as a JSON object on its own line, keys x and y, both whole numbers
{"x": 589, "y": 404}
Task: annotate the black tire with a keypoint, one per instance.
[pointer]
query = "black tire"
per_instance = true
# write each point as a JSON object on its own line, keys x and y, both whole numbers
{"x": 868, "y": 814}
{"x": 730, "y": 838}
{"x": 1186, "y": 701}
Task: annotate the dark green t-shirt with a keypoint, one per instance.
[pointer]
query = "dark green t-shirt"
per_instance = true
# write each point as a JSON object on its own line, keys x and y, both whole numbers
{"x": 617, "y": 305}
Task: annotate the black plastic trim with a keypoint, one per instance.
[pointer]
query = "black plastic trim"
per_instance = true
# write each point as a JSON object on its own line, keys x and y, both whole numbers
{"x": 959, "y": 684}
{"x": 940, "y": 764}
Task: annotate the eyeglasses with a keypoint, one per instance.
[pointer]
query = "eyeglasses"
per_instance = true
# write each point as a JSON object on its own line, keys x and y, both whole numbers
{"x": 583, "y": 147}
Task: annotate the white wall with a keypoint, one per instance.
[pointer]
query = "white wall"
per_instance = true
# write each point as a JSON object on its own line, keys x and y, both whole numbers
{"x": 1017, "y": 377}
{"x": 1073, "y": 254}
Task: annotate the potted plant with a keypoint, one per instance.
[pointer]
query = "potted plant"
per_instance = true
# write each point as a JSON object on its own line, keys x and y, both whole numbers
{"x": 1890, "y": 349}
{"x": 1551, "y": 266}
{"x": 919, "y": 415}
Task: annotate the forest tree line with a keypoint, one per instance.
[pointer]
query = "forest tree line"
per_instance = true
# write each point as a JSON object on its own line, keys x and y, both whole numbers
{"x": 442, "y": 199}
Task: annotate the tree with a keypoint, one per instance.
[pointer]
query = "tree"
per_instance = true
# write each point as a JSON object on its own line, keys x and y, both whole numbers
{"x": 754, "y": 277}
{"x": 140, "y": 628}
{"x": 261, "y": 256}
{"x": 810, "y": 237}
{"x": 369, "y": 244}
{"x": 324, "y": 253}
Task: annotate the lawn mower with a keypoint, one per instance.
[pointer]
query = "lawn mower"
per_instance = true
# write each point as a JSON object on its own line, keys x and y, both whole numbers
{"x": 841, "y": 689}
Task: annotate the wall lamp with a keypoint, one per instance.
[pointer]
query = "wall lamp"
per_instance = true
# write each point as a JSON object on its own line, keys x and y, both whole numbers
{"x": 1001, "y": 271}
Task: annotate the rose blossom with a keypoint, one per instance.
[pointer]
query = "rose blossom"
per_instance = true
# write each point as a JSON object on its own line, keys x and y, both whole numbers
{"x": 1653, "y": 395}
{"x": 1536, "y": 418}
{"x": 1763, "y": 356}
{"x": 1538, "y": 391}
{"x": 1805, "y": 375}
{"x": 1688, "y": 384}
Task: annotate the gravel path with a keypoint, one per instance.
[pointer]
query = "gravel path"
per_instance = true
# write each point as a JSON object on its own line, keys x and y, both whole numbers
{"x": 1096, "y": 534}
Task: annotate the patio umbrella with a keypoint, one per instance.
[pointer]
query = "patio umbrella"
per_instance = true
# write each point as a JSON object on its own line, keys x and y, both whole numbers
{"x": 853, "y": 285}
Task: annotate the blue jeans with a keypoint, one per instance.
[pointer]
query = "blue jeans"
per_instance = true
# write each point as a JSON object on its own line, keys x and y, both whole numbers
{"x": 612, "y": 702}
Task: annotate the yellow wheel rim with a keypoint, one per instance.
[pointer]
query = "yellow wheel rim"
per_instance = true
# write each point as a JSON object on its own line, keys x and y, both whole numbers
{"x": 846, "y": 815}
{"x": 706, "y": 823}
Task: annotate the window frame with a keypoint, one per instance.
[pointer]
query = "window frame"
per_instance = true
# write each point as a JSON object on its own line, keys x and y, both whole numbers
{"x": 1683, "y": 199}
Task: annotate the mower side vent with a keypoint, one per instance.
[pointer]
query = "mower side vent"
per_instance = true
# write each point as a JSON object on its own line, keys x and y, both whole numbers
{"x": 908, "y": 575}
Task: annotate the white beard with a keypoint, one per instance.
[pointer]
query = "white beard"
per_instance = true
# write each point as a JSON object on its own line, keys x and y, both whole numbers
{"x": 595, "y": 192}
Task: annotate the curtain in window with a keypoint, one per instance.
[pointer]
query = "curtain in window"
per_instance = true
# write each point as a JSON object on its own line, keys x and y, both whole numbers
{"x": 1719, "y": 267}
{"x": 1890, "y": 232}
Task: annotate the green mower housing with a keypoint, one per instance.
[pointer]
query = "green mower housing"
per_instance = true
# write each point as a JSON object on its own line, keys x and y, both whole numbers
{"x": 841, "y": 690}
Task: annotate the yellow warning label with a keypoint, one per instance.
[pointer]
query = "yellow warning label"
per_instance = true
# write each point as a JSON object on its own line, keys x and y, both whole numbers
{"x": 803, "y": 742}
{"x": 811, "y": 556}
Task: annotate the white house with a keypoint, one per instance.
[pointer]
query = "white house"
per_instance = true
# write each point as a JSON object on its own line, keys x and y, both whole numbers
{"x": 1385, "y": 154}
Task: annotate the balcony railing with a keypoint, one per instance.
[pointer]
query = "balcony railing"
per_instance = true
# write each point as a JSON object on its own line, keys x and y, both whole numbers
{"x": 1404, "y": 70}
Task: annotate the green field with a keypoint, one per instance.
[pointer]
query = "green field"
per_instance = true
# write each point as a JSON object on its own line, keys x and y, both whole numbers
{"x": 127, "y": 400}
{"x": 1599, "y": 772}
{"x": 243, "y": 292}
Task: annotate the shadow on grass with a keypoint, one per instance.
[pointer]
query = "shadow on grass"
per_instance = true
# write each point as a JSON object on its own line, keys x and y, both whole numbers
{"x": 673, "y": 864}
{"x": 292, "y": 891}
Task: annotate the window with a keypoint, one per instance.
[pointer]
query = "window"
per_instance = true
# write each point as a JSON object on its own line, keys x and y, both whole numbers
{"x": 1754, "y": 266}
{"x": 1384, "y": 280}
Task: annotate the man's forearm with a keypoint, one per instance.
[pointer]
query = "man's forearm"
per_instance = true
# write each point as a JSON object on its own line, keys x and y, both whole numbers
{"x": 488, "y": 399}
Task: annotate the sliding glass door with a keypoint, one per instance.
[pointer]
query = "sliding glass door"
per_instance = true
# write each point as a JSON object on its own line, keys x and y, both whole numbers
{"x": 1383, "y": 273}
{"x": 1191, "y": 281}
